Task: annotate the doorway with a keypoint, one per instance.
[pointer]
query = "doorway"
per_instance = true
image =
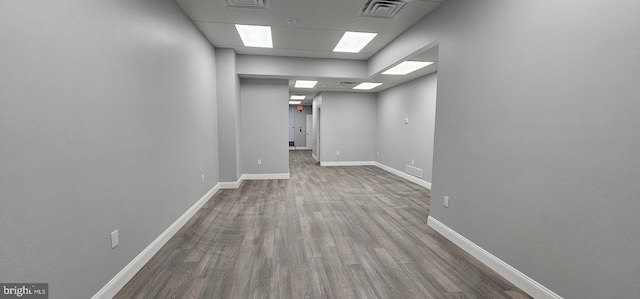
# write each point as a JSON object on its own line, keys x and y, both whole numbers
{"x": 299, "y": 128}
{"x": 292, "y": 112}
{"x": 309, "y": 127}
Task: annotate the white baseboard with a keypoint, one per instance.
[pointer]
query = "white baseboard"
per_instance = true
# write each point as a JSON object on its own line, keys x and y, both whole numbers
{"x": 231, "y": 185}
{"x": 121, "y": 279}
{"x": 349, "y": 163}
{"x": 266, "y": 176}
{"x": 519, "y": 279}
{"x": 299, "y": 148}
{"x": 405, "y": 175}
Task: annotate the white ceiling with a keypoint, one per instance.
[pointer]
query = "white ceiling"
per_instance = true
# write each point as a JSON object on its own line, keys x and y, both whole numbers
{"x": 333, "y": 83}
{"x": 318, "y": 27}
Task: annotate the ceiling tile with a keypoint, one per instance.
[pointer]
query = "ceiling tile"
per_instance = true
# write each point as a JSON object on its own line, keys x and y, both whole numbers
{"x": 378, "y": 43}
{"x": 220, "y": 34}
{"x": 318, "y": 27}
{"x": 335, "y": 14}
{"x": 288, "y": 37}
{"x": 410, "y": 15}
{"x": 302, "y": 11}
{"x": 249, "y": 16}
{"x": 334, "y": 83}
{"x": 365, "y": 24}
{"x": 320, "y": 40}
{"x": 204, "y": 10}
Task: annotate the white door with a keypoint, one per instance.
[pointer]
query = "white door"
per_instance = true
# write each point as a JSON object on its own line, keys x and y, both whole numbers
{"x": 292, "y": 125}
{"x": 318, "y": 138}
{"x": 310, "y": 140}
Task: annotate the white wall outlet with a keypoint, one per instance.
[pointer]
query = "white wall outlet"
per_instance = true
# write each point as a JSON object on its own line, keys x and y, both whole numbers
{"x": 203, "y": 178}
{"x": 446, "y": 201}
{"x": 114, "y": 239}
{"x": 406, "y": 121}
{"x": 259, "y": 161}
{"x": 337, "y": 153}
{"x": 413, "y": 162}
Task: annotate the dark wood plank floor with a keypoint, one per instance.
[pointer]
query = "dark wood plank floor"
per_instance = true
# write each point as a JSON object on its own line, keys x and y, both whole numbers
{"x": 328, "y": 232}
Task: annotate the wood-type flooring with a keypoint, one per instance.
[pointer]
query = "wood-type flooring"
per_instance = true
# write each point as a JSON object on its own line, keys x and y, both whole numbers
{"x": 328, "y": 232}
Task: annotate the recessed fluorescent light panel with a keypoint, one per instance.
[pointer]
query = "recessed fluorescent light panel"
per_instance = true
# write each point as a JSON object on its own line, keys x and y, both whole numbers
{"x": 305, "y": 84}
{"x": 406, "y": 67}
{"x": 298, "y": 97}
{"x": 295, "y": 102}
{"x": 255, "y": 36}
{"x": 367, "y": 85}
{"x": 354, "y": 42}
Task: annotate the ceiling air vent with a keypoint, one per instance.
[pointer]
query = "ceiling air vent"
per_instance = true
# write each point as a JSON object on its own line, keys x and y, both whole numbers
{"x": 386, "y": 9}
{"x": 261, "y": 4}
{"x": 347, "y": 83}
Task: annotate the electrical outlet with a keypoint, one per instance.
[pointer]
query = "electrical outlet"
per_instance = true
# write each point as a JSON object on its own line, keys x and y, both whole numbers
{"x": 446, "y": 201}
{"x": 337, "y": 153}
{"x": 413, "y": 162}
{"x": 203, "y": 178}
{"x": 259, "y": 161}
{"x": 114, "y": 239}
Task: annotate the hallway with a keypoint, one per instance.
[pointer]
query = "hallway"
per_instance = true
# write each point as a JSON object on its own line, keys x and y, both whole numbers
{"x": 328, "y": 232}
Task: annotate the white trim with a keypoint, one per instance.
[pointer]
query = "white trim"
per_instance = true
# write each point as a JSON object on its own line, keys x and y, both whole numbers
{"x": 232, "y": 185}
{"x": 315, "y": 157}
{"x": 524, "y": 282}
{"x": 266, "y": 176}
{"x": 269, "y": 176}
{"x": 349, "y": 163}
{"x": 405, "y": 175}
{"x": 118, "y": 281}
{"x": 299, "y": 148}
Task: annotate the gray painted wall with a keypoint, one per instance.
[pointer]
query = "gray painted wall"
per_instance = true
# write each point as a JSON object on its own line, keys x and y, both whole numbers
{"x": 536, "y": 136}
{"x": 399, "y": 143}
{"x": 107, "y": 121}
{"x": 228, "y": 91}
{"x": 286, "y": 67}
{"x": 348, "y": 122}
{"x": 300, "y": 118}
{"x": 264, "y": 105}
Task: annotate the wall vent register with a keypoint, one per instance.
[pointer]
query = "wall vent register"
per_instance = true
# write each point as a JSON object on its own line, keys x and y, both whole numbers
{"x": 415, "y": 171}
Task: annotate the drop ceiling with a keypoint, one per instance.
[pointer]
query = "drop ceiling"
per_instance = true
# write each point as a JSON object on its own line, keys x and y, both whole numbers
{"x": 346, "y": 84}
{"x": 307, "y": 28}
